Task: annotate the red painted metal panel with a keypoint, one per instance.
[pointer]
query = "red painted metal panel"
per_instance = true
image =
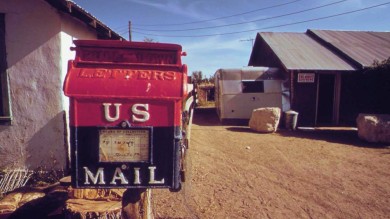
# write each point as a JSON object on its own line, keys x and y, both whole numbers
{"x": 126, "y": 73}
{"x": 161, "y": 113}
{"x": 106, "y": 81}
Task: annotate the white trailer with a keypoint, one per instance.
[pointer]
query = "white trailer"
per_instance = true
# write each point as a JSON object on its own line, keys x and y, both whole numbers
{"x": 239, "y": 91}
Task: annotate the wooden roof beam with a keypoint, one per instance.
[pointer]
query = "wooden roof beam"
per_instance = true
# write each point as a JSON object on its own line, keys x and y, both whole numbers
{"x": 69, "y": 6}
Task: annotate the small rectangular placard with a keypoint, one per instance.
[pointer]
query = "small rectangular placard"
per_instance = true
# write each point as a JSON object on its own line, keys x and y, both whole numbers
{"x": 124, "y": 145}
{"x": 306, "y": 77}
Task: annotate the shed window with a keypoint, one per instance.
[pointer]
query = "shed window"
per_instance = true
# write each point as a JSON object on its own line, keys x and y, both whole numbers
{"x": 253, "y": 86}
{"x": 5, "y": 111}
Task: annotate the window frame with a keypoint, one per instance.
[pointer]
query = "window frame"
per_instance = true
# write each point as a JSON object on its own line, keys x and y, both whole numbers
{"x": 5, "y": 105}
{"x": 249, "y": 86}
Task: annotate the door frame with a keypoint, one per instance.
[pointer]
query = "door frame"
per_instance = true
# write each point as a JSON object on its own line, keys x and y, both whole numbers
{"x": 336, "y": 98}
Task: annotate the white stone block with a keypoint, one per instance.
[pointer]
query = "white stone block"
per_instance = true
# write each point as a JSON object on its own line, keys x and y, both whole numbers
{"x": 374, "y": 127}
{"x": 265, "y": 120}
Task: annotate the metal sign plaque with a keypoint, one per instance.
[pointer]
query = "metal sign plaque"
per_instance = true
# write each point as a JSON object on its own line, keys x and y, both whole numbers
{"x": 124, "y": 145}
{"x": 306, "y": 77}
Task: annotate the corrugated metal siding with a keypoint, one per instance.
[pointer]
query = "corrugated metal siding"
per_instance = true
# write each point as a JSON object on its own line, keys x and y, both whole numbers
{"x": 361, "y": 46}
{"x": 298, "y": 51}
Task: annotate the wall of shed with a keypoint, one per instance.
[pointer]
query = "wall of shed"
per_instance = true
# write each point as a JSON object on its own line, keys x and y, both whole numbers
{"x": 37, "y": 43}
{"x": 364, "y": 93}
{"x": 262, "y": 55}
{"x": 303, "y": 96}
{"x": 304, "y": 100}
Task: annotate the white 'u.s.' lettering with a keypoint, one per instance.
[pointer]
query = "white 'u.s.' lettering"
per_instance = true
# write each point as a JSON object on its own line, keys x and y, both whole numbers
{"x": 107, "y": 114}
{"x": 140, "y": 112}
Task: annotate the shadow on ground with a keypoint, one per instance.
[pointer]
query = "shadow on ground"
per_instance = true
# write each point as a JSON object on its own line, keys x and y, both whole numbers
{"x": 209, "y": 117}
{"x": 206, "y": 117}
{"x": 341, "y": 136}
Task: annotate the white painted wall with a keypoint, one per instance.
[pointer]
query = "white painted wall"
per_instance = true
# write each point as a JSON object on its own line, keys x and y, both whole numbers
{"x": 38, "y": 39}
{"x": 71, "y": 29}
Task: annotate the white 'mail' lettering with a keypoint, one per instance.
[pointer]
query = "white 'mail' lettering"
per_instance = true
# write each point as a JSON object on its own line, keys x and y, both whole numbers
{"x": 121, "y": 178}
{"x": 99, "y": 175}
{"x": 118, "y": 175}
{"x": 107, "y": 115}
{"x": 140, "y": 115}
{"x": 152, "y": 179}
{"x": 137, "y": 179}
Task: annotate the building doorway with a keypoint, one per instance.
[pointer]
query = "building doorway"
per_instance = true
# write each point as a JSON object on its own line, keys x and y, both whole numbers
{"x": 325, "y": 99}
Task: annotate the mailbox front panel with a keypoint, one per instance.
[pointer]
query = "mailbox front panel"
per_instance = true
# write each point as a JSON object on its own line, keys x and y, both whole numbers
{"x": 138, "y": 154}
{"x": 158, "y": 171}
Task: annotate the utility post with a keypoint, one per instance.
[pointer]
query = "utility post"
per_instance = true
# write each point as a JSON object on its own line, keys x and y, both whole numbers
{"x": 130, "y": 31}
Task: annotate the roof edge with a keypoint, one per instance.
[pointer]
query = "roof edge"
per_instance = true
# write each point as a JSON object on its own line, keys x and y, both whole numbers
{"x": 259, "y": 38}
{"x": 334, "y": 49}
{"x": 71, "y": 8}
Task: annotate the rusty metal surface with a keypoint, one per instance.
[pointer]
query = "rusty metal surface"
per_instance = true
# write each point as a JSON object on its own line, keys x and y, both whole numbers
{"x": 361, "y": 46}
{"x": 298, "y": 51}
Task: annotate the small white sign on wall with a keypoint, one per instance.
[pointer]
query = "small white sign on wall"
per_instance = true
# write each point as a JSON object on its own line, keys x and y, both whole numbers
{"x": 306, "y": 77}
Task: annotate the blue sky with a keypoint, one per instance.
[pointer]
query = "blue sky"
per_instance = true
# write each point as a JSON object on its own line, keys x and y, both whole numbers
{"x": 219, "y": 33}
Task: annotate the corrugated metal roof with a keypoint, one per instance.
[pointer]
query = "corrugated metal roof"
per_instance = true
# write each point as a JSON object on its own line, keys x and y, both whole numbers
{"x": 362, "y": 47}
{"x": 298, "y": 51}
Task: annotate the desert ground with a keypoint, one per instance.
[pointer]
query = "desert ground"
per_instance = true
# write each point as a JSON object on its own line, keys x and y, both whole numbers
{"x": 234, "y": 172}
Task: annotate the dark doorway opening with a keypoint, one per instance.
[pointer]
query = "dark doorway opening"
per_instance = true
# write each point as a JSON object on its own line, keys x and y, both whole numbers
{"x": 325, "y": 99}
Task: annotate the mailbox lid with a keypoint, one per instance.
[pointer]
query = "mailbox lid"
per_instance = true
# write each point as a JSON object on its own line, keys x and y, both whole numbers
{"x": 125, "y": 69}
{"x": 114, "y": 51}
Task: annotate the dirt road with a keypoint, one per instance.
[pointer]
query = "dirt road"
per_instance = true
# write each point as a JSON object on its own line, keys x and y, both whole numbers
{"x": 237, "y": 173}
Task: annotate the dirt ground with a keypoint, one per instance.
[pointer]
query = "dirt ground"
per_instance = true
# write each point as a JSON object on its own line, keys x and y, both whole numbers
{"x": 237, "y": 173}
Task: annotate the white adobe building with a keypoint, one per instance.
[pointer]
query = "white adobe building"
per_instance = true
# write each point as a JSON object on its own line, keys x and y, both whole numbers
{"x": 35, "y": 41}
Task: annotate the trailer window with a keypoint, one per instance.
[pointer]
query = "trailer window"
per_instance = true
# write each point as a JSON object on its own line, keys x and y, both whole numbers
{"x": 253, "y": 86}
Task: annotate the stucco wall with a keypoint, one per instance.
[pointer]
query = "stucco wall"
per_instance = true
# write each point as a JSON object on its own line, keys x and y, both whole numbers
{"x": 38, "y": 39}
{"x": 71, "y": 29}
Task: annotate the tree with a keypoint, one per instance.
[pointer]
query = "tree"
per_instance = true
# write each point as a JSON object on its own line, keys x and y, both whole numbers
{"x": 211, "y": 79}
{"x": 197, "y": 77}
{"x": 375, "y": 83}
{"x": 383, "y": 66}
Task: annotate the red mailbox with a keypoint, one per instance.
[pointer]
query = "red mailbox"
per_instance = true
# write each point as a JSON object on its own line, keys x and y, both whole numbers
{"x": 126, "y": 106}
